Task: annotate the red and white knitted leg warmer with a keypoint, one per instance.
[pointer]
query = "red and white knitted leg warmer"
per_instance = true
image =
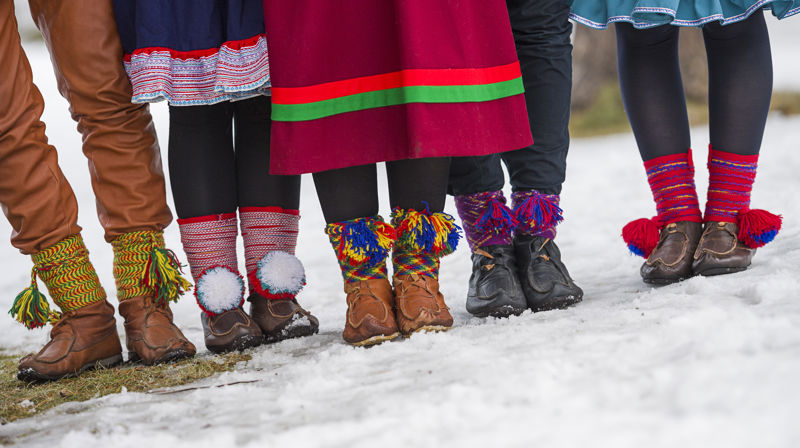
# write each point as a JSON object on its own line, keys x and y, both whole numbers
{"x": 264, "y": 230}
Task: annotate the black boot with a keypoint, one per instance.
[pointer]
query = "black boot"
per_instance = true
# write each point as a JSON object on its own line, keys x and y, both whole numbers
{"x": 494, "y": 288}
{"x": 545, "y": 280}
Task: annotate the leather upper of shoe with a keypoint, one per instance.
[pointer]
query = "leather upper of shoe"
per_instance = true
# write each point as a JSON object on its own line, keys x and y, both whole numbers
{"x": 79, "y": 338}
{"x": 540, "y": 265}
{"x": 274, "y": 315}
{"x": 719, "y": 247}
{"x": 419, "y": 303}
{"x": 223, "y": 328}
{"x": 369, "y": 310}
{"x": 494, "y": 286}
{"x": 150, "y": 332}
{"x": 672, "y": 257}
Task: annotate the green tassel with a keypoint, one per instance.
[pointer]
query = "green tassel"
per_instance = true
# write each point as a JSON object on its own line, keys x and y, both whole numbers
{"x": 163, "y": 272}
{"x": 30, "y": 307}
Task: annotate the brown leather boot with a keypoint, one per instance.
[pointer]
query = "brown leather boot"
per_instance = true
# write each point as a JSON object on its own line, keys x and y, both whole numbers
{"x": 720, "y": 251}
{"x": 82, "y": 339}
{"x": 150, "y": 334}
{"x": 420, "y": 305}
{"x": 281, "y": 319}
{"x": 229, "y": 331}
{"x": 370, "y": 317}
{"x": 671, "y": 260}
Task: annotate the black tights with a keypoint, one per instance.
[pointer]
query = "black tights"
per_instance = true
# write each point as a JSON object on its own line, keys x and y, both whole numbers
{"x": 740, "y": 86}
{"x": 351, "y": 193}
{"x": 219, "y": 159}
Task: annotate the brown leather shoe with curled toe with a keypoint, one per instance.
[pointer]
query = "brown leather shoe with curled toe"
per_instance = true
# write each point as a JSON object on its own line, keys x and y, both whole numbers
{"x": 150, "y": 335}
{"x": 82, "y": 339}
{"x": 720, "y": 251}
{"x": 420, "y": 305}
{"x": 671, "y": 260}
{"x": 281, "y": 319}
{"x": 370, "y": 317}
{"x": 230, "y": 330}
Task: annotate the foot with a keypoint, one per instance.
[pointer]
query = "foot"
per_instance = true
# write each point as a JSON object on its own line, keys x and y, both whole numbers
{"x": 229, "y": 331}
{"x": 370, "y": 315}
{"x": 545, "y": 280}
{"x": 720, "y": 251}
{"x": 671, "y": 260}
{"x": 420, "y": 305}
{"x": 494, "y": 288}
{"x": 82, "y": 339}
{"x": 281, "y": 318}
{"x": 151, "y": 336}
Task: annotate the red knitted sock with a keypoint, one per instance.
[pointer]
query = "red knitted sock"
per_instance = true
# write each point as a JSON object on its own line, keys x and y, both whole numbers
{"x": 267, "y": 229}
{"x": 671, "y": 180}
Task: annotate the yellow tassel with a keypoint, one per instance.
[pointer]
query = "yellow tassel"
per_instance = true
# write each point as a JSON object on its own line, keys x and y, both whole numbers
{"x": 163, "y": 273}
{"x": 31, "y": 308}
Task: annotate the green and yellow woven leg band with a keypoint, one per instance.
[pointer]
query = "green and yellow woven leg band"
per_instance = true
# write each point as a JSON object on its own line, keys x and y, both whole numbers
{"x": 422, "y": 239}
{"x": 143, "y": 266}
{"x": 70, "y": 278}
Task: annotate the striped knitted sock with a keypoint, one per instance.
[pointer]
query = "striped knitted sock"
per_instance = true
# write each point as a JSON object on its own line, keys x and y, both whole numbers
{"x": 361, "y": 246}
{"x": 210, "y": 246}
{"x": 538, "y": 214}
{"x": 267, "y": 229}
{"x": 70, "y": 278}
{"x": 486, "y": 219}
{"x": 671, "y": 180}
{"x": 143, "y": 266}
{"x": 730, "y": 181}
{"x": 422, "y": 239}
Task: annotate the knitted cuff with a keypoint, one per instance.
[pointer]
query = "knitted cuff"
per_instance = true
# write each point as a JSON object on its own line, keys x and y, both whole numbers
{"x": 265, "y": 230}
{"x": 486, "y": 219}
{"x": 538, "y": 214}
{"x": 361, "y": 246}
{"x": 422, "y": 239}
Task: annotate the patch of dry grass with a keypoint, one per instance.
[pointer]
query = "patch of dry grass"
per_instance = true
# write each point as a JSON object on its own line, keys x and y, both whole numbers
{"x": 21, "y": 400}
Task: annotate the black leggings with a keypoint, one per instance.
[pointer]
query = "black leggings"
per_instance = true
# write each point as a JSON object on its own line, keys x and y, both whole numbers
{"x": 351, "y": 193}
{"x": 740, "y": 86}
{"x": 219, "y": 159}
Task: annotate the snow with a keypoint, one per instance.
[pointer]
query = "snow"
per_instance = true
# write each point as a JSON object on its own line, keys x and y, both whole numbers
{"x": 708, "y": 362}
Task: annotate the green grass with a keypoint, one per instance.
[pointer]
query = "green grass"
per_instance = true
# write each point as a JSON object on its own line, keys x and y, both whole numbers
{"x": 21, "y": 400}
{"x": 607, "y": 115}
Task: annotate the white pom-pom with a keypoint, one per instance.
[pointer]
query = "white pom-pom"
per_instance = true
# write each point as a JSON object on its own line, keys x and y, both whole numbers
{"x": 281, "y": 274}
{"x": 219, "y": 289}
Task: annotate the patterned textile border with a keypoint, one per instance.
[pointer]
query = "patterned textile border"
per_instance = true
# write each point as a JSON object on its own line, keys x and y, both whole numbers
{"x": 235, "y": 71}
{"x": 390, "y": 89}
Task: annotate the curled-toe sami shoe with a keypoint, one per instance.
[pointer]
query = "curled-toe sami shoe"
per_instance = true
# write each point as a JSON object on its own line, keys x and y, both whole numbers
{"x": 230, "y": 330}
{"x": 281, "y": 319}
{"x": 671, "y": 260}
{"x": 494, "y": 288}
{"x": 150, "y": 334}
{"x": 545, "y": 280}
{"x": 370, "y": 313}
{"x": 420, "y": 305}
{"x": 720, "y": 251}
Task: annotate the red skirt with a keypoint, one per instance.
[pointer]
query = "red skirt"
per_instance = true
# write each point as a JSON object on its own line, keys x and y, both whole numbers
{"x": 364, "y": 81}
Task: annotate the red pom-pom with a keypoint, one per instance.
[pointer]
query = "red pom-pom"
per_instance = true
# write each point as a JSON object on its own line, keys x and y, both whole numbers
{"x": 641, "y": 236}
{"x": 758, "y": 227}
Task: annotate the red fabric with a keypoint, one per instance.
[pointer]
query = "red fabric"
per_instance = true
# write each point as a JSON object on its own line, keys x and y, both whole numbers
{"x": 319, "y": 41}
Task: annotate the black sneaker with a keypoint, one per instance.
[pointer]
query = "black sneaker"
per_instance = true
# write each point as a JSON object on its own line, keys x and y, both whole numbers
{"x": 545, "y": 280}
{"x": 494, "y": 288}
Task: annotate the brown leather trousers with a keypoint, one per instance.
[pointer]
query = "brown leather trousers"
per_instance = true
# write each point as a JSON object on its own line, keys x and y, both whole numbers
{"x": 118, "y": 137}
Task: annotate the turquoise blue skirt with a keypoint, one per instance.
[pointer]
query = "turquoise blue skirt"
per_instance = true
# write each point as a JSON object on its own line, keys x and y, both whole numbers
{"x": 649, "y": 13}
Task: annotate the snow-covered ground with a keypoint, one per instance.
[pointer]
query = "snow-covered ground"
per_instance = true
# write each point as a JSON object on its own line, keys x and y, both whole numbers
{"x": 705, "y": 363}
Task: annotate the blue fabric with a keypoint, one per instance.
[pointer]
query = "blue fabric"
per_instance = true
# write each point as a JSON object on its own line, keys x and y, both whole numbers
{"x": 648, "y": 13}
{"x": 186, "y": 25}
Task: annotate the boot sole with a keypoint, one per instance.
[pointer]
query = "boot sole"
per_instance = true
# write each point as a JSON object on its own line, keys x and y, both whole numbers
{"x": 238, "y": 344}
{"x": 375, "y": 340}
{"x": 297, "y": 332}
{"x": 428, "y": 329}
{"x": 720, "y": 271}
{"x": 172, "y": 356}
{"x": 663, "y": 281}
{"x": 557, "y": 304}
{"x": 32, "y": 376}
{"x": 501, "y": 312}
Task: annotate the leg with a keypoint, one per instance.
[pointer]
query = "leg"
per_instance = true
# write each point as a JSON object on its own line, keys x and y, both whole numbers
{"x": 740, "y": 89}
{"x": 269, "y": 216}
{"x": 41, "y": 207}
{"x": 347, "y": 193}
{"x": 412, "y": 183}
{"x": 652, "y": 91}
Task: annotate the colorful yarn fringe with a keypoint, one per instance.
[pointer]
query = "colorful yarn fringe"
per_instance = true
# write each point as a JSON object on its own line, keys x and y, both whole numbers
{"x": 70, "y": 278}
{"x": 730, "y": 182}
{"x": 642, "y": 236}
{"x": 538, "y": 214}
{"x": 486, "y": 219}
{"x": 361, "y": 246}
{"x": 144, "y": 267}
{"x": 422, "y": 239}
